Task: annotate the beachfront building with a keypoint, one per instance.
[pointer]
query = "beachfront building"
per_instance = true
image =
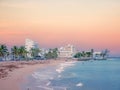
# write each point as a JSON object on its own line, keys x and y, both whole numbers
{"x": 97, "y": 55}
{"x": 100, "y": 55}
{"x": 67, "y": 51}
{"x": 42, "y": 53}
{"x": 29, "y": 44}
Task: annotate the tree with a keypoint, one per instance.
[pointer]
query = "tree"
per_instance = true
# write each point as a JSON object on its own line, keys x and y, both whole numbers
{"x": 35, "y": 52}
{"x": 104, "y": 53}
{"x": 77, "y": 55}
{"x": 22, "y": 52}
{"x": 3, "y": 51}
{"x": 15, "y": 52}
{"x": 52, "y": 54}
{"x": 92, "y": 51}
{"x": 55, "y": 53}
{"x": 83, "y": 54}
{"x": 88, "y": 54}
{"x": 48, "y": 55}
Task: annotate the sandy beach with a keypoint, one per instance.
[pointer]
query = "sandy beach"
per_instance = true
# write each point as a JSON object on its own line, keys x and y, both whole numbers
{"x": 13, "y": 73}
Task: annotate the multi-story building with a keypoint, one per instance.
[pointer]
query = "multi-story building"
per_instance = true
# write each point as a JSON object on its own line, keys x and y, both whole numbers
{"x": 67, "y": 51}
{"x": 29, "y": 44}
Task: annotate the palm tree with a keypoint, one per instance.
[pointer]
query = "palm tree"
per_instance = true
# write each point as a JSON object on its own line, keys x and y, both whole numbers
{"x": 92, "y": 51}
{"x": 88, "y": 54}
{"x": 35, "y": 52}
{"x": 15, "y": 52}
{"x": 104, "y": 54}
{"x": 49, "y": 54}
{"x": 77, "y": 55}
{"x": 22, "y": 52}
{"x": 52, "y": 54}
{"x": 3, "y": 51}
{"x": 83, "y": 54}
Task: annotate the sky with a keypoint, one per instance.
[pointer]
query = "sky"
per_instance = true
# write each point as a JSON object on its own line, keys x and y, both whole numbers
{"x": 85, "y": 24}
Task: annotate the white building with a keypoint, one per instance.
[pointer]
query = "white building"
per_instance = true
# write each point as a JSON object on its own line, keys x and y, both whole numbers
{"x": 97, "y": 55}
{"x": 29, "y": 44}
{"x": 67, "y": 51}
{"x": 42, "y": 52}
{"x": 100, "y": 55}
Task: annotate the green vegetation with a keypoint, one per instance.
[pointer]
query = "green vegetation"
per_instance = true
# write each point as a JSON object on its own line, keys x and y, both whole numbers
{"x": 84, "y": 54}
{"x": 22, "y": 53}
{"x": 15, "y": 52}
{"x": 35, "y": 52}
{"x": 19, "y": 53}
{"x": 3, "y": 51}
{"x": 77, "y": 55}
{"x": 52, "y": 54}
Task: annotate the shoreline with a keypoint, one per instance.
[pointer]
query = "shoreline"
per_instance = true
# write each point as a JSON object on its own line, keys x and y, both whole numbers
{"x": 17, "y": 71}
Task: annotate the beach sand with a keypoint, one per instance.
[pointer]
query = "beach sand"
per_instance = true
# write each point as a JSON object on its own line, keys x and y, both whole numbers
{"x": 12, "y": 74}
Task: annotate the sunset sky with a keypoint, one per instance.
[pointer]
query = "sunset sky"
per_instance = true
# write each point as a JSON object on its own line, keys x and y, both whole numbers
{"x": 53, "y": 23}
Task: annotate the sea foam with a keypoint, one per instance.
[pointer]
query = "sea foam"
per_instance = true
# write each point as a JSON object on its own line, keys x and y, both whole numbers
{"x": 79, "y": 84}
{"x": 64, "y": 65}
{"x": 38, "y": 75}
{"x": 45, "y": 88}
{"x": 48, "y": 83}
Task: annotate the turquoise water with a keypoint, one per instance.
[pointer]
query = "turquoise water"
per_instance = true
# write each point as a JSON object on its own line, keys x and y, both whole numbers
{"x": 82, "y": 75}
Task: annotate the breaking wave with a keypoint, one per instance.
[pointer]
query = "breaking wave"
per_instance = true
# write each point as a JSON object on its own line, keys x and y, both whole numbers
{"x": 62, "y": 66}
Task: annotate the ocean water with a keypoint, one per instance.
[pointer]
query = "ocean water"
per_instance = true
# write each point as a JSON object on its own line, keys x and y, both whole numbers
{"x": 77, "y": 75}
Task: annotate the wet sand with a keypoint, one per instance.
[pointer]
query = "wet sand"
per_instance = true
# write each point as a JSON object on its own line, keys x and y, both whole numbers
{"x": 13, "y": 73}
